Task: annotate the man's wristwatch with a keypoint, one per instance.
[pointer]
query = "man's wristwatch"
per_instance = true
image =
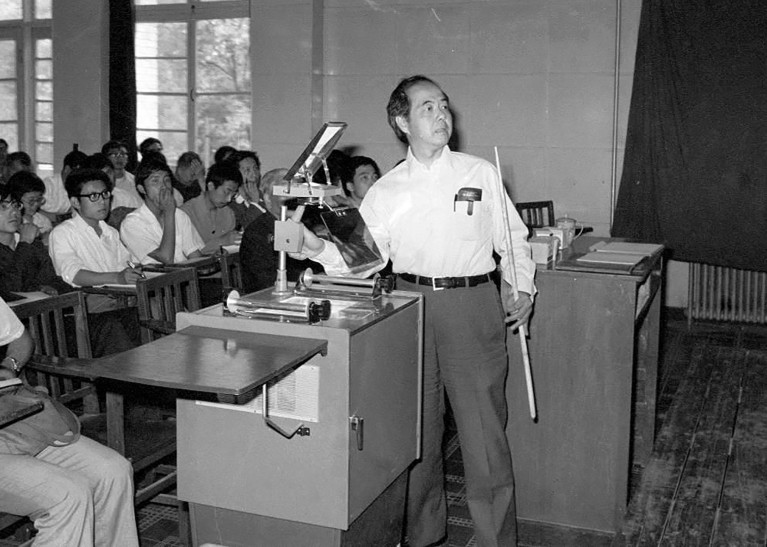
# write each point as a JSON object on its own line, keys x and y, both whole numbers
{"x": 15, "y": 365}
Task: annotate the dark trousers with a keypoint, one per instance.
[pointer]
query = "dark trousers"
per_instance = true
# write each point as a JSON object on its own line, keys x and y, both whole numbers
{"x": 464, "y": 356}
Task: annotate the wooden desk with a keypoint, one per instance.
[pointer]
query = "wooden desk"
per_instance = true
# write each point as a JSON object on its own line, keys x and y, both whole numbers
{"x": 594, "y": 354}
{"x": 226, "y": 363}
{"x": 28, "y": 297}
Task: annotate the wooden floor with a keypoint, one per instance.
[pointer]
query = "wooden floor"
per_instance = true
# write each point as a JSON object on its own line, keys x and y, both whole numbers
{"x": 706, "y": 483}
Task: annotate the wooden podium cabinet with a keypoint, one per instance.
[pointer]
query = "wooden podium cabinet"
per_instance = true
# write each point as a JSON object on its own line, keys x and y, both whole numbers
{"x": 353, "y": 415}
{"x": 593, "y": 345}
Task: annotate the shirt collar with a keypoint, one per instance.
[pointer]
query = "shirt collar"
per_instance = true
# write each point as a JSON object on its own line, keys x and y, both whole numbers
{"x": 415, "y": 165}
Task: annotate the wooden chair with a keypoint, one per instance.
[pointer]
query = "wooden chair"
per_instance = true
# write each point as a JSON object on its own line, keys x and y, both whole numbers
{"x": 231, "y": 270}
{"x": 161, "y": 296}
{"x": 537, "y": 214}
{"x": 59, "y": 328}
{"x": 64, "y": 371}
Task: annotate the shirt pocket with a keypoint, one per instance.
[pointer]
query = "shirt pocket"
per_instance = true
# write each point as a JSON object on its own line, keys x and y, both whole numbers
{"x": 474, "y": 226}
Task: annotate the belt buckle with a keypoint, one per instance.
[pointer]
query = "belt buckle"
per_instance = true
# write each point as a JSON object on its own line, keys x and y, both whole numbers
{"x": 434, "y": 284}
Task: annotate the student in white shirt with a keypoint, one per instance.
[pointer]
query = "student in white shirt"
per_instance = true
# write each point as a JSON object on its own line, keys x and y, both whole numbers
{"x": 158, "y": 232}
{"x": 86, "y": 251}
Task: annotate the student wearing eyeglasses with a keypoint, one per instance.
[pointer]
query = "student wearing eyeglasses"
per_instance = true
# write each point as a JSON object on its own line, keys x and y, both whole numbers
{"x": 117, "y": 152}
{"x": 86, "y": 251}
{"x": 24, "y": 262}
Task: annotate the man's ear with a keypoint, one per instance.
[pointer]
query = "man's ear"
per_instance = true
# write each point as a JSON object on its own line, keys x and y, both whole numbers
{"x": 75, "y": 203}
{"x": 402, "y": 123}
{"x": 140, "y": 189}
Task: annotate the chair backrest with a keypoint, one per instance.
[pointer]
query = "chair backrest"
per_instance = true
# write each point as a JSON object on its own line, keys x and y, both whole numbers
{"x": 537, "y": 214}
{"x": 231, "y": 270}
{"x": 161, "y": 296}
{"x": 59, "y": 327}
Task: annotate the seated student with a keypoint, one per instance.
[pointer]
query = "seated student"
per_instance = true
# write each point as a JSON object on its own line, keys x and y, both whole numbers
{"x": 86, "y": 251}
{"x": 257, "y": 255}
{"x": 247, "y": 204}
{"x": 158, "y": 231}
{"x": 28, "y": 188}
{"x": 122, "y": 202}
{"x": 190, "y": 176}
{"x": 117, "y": 153}
{"x": 215, "y": 222}
{"x": 57, "y": 203}
{"x": 78, "y": 493}
{"x": 24, "y": 262}
{"x": 363, "y": 173}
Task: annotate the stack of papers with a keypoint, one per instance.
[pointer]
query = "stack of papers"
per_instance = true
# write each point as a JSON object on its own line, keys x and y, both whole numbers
{"x": 619, "y": 253}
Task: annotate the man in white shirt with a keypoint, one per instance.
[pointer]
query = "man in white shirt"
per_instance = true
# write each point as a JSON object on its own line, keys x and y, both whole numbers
{"x": 86, "y": 251}
{"x": 438, "y": 216}
{"x": 158, "y": 232}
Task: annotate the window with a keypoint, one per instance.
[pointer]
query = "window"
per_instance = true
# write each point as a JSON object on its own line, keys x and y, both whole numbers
{"x": 193, "y": 75}
{"x": 26, "y": 79}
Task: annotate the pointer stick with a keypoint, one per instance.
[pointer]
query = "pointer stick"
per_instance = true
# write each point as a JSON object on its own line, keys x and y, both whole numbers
{"x": 515, "y": 290}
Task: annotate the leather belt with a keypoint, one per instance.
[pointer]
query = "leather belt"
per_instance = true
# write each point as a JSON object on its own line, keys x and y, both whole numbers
{"x": 438, "y": 283}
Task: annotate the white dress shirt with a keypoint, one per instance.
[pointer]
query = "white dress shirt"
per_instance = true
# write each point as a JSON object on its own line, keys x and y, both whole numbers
{"x": 75, "y": 246}
{"x": 10, "y": 327}
{"x": 416, "y": 221}
{"x": 142, "y": 233}
{"x": 56, "y": 199}
{"x": 131, "y": 198}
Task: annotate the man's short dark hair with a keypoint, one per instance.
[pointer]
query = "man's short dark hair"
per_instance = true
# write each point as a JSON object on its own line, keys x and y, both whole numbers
{"x": 97, "y": 161}
{"x": 240, "y": 155}
{"x": 22, "y": 182}
{"x": 146, "y": 144}
{"x": 149, "y": 165}
{"x": 223, "y": 171}
{"x": 223, "y": 153}
{"x": 75, "y": 159}
{"x": 359, "y": 161}
{"x": 111, "y": 145}
{"x": 399, "y": 102}
{"x": 80, "y": 177}
{"x": 21, "y": 157}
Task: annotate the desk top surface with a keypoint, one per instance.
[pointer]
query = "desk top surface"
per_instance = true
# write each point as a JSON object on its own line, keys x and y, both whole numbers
{"x": 569, "y": 260}
{"x": 227, "y": 363}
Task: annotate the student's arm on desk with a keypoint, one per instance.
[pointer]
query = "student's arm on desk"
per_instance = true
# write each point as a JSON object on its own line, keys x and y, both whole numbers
{"x": 88, "y": 278}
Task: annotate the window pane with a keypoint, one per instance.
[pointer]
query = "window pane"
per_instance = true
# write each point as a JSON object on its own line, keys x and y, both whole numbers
{"x": 7, "y": 58}
{"x": 10, "y": 9}
{"x": 43, "y": 48}
{"x": 44, "y": 91}
{"x": 157, "y": 3}
{"x": 44, "y": 70}
{"x": 161, "y": 112}
{"x": 161, "y": 40}
{"x": 44, "y": 111}
{"x": 223, "y": 62}
{"x": 42, "y": 9}
{"x": 161, "y": 75}
{"x": 44, "y": 156}
{"x": 8, "y": 107}
{"x": 223, "y": 119}
{"x": 10, "y": 132}
{"x": 44, "y": 132}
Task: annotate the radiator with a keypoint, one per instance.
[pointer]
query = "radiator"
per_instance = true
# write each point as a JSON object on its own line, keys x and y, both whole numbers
{"x": 726, "y": 294}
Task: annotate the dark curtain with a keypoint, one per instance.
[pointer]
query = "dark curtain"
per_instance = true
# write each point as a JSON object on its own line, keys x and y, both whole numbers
{"x": 695, "y": 167}
{"x": 122, "y": 76}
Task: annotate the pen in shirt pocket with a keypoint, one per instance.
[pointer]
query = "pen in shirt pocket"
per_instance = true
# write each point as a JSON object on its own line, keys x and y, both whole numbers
{"x": 136, "y": 268}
